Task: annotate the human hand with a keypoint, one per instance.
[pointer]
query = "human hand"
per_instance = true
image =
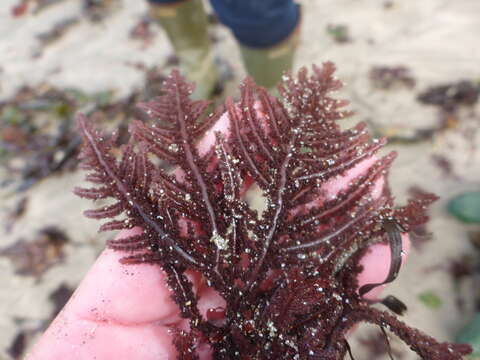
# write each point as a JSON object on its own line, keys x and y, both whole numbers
{"x": 125, "y": 311}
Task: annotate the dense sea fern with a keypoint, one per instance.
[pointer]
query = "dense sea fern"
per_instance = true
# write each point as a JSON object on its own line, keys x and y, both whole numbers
{"x": 289, "y": 274}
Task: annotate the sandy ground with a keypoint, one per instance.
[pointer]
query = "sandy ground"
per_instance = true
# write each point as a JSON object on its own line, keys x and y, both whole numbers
{"x": 437, "y": 40}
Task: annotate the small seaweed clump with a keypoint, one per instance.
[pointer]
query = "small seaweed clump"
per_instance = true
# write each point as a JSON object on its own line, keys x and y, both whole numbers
{"x": 288, "y": 274}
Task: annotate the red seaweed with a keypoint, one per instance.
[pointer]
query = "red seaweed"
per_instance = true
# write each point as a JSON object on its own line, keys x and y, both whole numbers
{"x": 289, "y": 274}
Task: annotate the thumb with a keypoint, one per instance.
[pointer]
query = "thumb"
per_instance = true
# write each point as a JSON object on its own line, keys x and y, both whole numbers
{"x": 117, "y": 312}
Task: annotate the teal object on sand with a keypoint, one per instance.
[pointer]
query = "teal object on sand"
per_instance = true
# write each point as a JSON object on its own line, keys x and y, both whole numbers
{"x": 466, "y": 207}
{"x": 470, "y": 334}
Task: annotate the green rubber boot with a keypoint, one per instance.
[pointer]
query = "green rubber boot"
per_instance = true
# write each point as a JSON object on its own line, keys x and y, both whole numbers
{"x": 186, "y": 26}
{"x": 266, "y": 65}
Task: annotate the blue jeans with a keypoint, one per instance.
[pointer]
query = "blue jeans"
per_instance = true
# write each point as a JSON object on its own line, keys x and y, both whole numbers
{"x": 255, "y": 23}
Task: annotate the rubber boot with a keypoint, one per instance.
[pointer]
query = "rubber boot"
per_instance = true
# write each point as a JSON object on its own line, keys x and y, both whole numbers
{"x": 266, "y": 65}
{"x": 186, "y": 26}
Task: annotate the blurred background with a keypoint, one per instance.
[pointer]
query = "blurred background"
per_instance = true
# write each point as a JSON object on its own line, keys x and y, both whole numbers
{"x": 411, "y": 71}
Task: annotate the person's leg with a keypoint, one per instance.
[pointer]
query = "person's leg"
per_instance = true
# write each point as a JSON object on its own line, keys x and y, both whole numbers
{"x": 268, "y": 32}
{"x": 185, "y": 23}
